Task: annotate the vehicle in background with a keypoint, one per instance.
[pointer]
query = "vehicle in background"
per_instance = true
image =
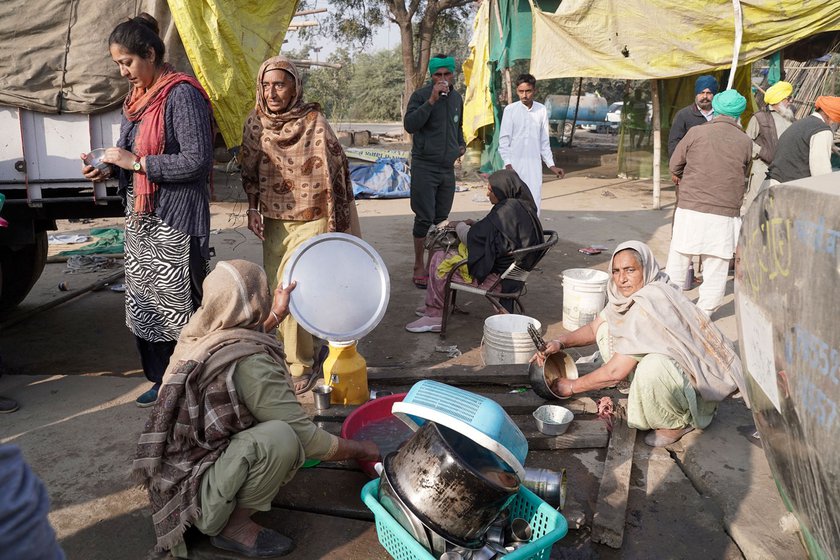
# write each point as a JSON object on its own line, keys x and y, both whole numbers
{"x": 40, "y": 176}
{"x": 589, "y": 113}
{"x": 61, "y": 95}
{"x": 614, "y": 116}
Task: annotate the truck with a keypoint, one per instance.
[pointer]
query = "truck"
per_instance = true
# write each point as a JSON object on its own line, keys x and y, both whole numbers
{"x": 61, "y": 96}
{"x": 588, "y": 111}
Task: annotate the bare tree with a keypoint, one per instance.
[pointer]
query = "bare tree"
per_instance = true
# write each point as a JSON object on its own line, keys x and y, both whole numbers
{"x": 418, "y": 21}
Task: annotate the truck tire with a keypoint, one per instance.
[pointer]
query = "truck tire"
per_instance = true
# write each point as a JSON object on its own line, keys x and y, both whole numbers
{"x": 20, "y": 268}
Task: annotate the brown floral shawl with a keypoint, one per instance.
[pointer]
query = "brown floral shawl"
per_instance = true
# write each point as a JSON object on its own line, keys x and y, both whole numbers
{"x": 198, "y": 410}
{"x": 293, "y": 160}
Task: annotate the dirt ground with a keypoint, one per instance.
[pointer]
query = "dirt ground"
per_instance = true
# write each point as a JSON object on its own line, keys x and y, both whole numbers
{"x": 76, "y": 372}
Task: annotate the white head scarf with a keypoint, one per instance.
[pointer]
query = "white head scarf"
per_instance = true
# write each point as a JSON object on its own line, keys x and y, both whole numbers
{"x": 659, "y": 319}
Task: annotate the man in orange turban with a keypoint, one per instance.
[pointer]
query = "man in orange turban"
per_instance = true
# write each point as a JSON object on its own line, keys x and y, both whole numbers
{"x": 804, "y": 150}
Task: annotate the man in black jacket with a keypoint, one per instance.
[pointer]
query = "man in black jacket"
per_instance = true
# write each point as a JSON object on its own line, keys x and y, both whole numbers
{"x": 699, "y": 112}
{"x": 433, "y": 117}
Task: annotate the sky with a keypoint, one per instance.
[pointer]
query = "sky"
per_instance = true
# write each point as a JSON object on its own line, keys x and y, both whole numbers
{"x": 385, "y": 37}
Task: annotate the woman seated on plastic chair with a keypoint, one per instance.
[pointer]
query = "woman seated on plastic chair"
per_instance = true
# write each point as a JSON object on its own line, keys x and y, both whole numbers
{"x": 679, "y": 363}
{"x": 486, "y": 244}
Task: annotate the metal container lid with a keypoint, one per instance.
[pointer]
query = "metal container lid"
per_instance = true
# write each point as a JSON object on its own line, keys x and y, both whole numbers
{"x": 342, "y": 289}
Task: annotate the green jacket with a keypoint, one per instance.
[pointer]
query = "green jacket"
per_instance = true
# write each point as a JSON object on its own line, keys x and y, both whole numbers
{"x": 436, "y": 129}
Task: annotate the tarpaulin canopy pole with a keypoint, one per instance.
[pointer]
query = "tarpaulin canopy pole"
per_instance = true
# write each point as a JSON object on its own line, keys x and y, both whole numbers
{"x": 574, "y": 117}
{"x": 657, "y": 144}
{"x": 736, "y": 48}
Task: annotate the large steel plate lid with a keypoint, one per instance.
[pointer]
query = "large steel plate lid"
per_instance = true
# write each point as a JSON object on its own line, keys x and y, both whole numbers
{"x": 342, "y": 289}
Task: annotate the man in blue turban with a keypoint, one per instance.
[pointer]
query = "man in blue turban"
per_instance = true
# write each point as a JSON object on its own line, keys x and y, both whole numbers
{"x": 711, "y": 163}
{"x": 433, "y": 117}
{"x": 699, "y": 112}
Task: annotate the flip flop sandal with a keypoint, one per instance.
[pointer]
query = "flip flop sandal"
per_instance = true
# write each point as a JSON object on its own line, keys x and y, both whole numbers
{"x": 421, "y": 282}
{"x": 309, "y": 379}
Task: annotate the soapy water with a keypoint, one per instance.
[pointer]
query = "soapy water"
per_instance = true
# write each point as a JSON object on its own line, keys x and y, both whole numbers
{"x": 388, "y": 433}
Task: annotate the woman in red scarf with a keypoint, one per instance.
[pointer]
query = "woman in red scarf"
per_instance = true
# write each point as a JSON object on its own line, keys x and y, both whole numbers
{"x": 163, "y": 161}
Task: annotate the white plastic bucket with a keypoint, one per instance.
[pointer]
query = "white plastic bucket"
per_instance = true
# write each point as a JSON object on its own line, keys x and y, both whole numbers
{"x": 506, "y": 339}
{"x": 584, "y": 296}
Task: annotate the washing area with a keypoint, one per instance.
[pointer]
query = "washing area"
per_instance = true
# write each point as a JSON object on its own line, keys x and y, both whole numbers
{"x": 457, "y": 487}
{"x": 452, "y": 481}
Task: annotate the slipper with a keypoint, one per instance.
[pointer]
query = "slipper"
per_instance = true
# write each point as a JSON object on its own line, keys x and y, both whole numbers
{"x": 421, "y": 282}
{"x": 269, "y": 544}
{"x": 655, "y": 439}
{"x": 308, "y": 379}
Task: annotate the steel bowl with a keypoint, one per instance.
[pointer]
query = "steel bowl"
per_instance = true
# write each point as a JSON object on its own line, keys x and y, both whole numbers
{"x": 552, "y": 419}
{"x": 559, "y": 365}
{"x": 94, "y": 158}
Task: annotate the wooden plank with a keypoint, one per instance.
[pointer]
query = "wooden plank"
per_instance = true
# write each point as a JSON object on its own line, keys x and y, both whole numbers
{"x": 512, "y": 403}
{"x": 582, "y": 434}
{"x": 457, "y": 374}
{"x": 326, "y": 491}
{"x": 528, "y": 402}
{"x": 611, "y": 506}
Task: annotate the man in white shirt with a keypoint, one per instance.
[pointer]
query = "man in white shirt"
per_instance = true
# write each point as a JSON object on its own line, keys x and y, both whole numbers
{"x": 523, "y": 138}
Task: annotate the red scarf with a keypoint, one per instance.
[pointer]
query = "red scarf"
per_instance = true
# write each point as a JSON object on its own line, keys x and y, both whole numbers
{"x": 147, "y": 107}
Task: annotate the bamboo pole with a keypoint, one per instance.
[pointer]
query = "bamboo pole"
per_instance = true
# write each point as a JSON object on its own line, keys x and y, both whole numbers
{"x": 657, "y": 145}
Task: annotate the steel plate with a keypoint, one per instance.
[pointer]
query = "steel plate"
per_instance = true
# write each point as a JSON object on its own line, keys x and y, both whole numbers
{"x": 342, "y": 289}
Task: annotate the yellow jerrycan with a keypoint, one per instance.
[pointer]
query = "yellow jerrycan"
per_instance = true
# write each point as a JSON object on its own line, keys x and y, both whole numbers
{"x": 345, "y": 370}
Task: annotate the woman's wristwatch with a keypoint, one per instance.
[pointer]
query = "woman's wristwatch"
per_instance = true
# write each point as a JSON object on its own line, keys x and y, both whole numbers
{"x": 136, "y": 165}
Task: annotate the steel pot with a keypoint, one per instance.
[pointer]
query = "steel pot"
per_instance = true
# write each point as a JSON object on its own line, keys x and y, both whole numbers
{"x": 559, "y": 365}
{"x": 394, "y": 505}
{"x": 455, "y": 486}
{"x": 547, "y": 484}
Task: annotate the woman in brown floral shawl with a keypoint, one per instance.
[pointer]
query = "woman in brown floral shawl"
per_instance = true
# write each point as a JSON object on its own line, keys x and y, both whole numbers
{"x": 297, "y": 180}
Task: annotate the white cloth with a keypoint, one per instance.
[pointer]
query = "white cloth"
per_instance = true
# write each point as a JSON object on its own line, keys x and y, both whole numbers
{"x": 819, "y": 156}
{"x": 713, "y": 236}
{"x": 699, "y": 233}
{"x": 524, "y": 144}
{"x": 715, "y": 273}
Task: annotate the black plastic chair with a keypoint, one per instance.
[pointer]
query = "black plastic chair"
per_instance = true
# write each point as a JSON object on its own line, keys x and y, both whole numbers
{"x": 495, "y": 294}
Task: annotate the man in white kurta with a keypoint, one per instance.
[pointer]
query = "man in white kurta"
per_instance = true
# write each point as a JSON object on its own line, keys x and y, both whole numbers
{"x": 523, "y": 138}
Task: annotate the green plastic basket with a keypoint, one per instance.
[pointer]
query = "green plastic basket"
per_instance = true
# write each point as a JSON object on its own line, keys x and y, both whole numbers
{"x": 549, "y": 526}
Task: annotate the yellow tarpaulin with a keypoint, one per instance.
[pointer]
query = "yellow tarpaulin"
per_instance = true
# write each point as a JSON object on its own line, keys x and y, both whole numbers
{"x": 644, "y": 39}
{"x": 226, "y": 41}
{"x": 478, "y": 107}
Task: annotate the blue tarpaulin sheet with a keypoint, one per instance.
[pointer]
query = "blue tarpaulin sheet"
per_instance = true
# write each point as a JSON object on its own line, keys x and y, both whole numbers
{"x": 387, "y": 178}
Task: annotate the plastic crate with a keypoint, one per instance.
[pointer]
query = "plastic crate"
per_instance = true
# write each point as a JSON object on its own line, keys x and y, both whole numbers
{"x": 548, "y": 524}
